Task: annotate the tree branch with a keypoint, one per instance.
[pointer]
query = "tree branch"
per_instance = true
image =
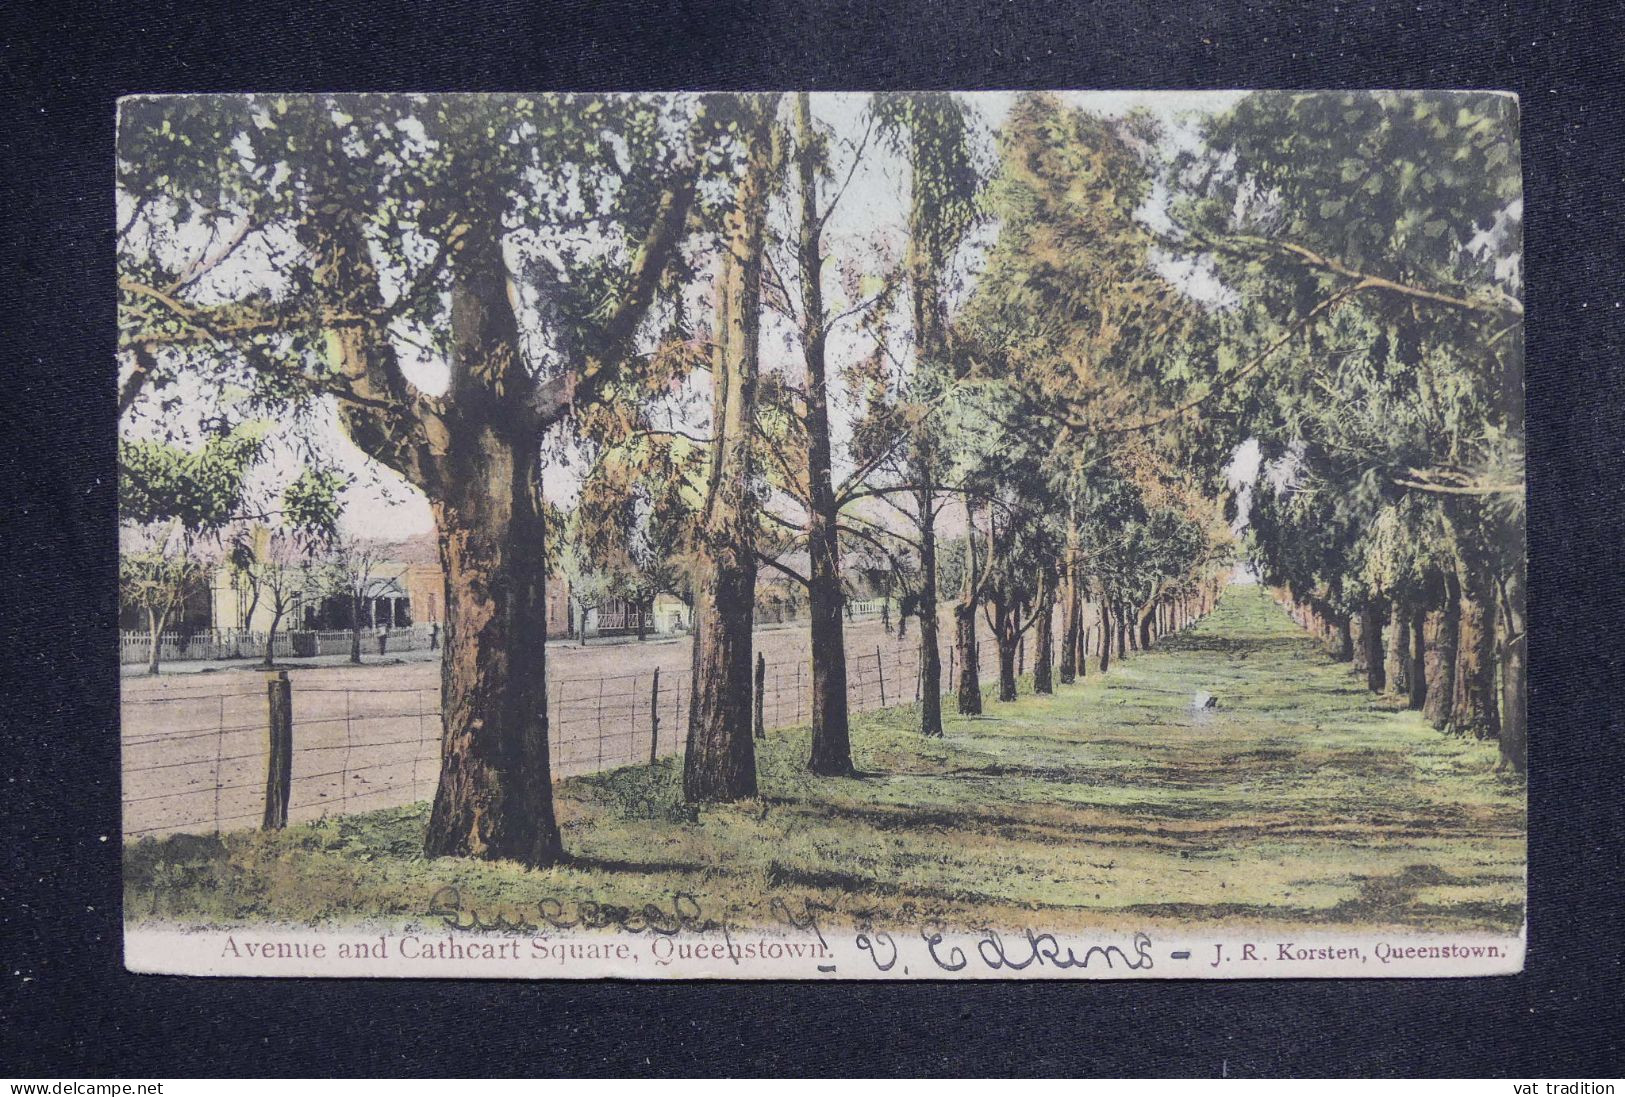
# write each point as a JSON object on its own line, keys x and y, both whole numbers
{"x": 897, "y": 565}
{"x": 145, "y": 363}
{"x": 878, "y": 528}
{"x": 773, "y": 562}
{"x": 792, "y": 478}
{"x": 665, "y": 232}
{"x": 1496, "y": 300}
{"x": 1237, "y": 374}
{"x": 857, "y": 159}
{"x": 1449, "y": 481}
{"x": 205, "y": 263}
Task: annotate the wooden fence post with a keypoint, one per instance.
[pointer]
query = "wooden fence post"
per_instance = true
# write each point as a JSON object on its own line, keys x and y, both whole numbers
{"x": 654, "y": 718}
{"x": 761, "y": 686}
{"x": 279, "y": 758}
{"x": 600, "y": 723}
{"x": 880, "y": 672}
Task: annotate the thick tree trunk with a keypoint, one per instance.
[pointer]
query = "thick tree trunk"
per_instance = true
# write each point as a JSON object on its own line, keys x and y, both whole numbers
{"x": 1120, "y": 615}
{"x": 1071, "y": 657}
{"x": 474, "y": 452}
{"x": 495, "y": 797}
{"x": 1416, "y": 661}
{"x": 970, "y": 682}
{"x": 1081, "y": 639}
{"x": 1514, "y": 674}
{"x": 1008, "y": 639}
{"x": 1105, "y": 636}
{"x": 1044, "y": 644}
{"x": 930, "y": 655}
{"x": 831, "y": 739}
{"x": 1148, "y": 618}
{"x": 1439, "y": 656}
{"x": 1473, "y": 708}
{"x": 1023, "y": 609}
{"x": 1344, "y": 652}
{"x": 1371, "y": 650}
{"x": 1397, "y": 658}
{"x": 355, "y": 628}
{"x": 720, "y": 763}
{"x": 925, "y": 271}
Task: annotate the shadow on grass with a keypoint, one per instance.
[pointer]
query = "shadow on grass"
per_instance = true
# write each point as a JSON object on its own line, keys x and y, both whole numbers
{"x": 617, "y": 866}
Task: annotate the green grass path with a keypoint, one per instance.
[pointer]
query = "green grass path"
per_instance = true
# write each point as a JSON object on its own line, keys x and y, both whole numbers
{"x": 1300, "y": 800}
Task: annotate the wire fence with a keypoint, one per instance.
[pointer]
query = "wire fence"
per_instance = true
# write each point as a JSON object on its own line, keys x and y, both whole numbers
{"x": 197, "y": 761}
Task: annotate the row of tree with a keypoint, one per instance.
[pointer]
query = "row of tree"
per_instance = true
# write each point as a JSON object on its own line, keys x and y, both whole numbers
{"x": 1390, "y": 502}
{"x": 951, "y": 414}
{"x": 1037, "y": 415}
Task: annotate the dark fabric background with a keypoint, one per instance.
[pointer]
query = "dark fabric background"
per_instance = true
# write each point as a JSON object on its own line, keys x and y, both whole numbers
{"x": 69, "y": 1009}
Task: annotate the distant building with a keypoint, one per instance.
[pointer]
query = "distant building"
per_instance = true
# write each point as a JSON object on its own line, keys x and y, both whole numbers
{"x": 781, "y": 598}
{"x": 671, "y": 615}
{"x": 664, "y": 615}
{"x": 406, "y": 588}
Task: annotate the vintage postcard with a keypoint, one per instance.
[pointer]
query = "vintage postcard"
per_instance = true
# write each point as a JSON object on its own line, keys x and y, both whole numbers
{"x": 822, "y": 536}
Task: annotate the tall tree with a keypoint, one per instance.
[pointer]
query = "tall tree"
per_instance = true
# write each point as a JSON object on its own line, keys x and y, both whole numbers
{"x": 831, "y": 737}
{"x": 381, "y": 217}
{"x": 720, "y": 762}
{"x": 932, "y": 132}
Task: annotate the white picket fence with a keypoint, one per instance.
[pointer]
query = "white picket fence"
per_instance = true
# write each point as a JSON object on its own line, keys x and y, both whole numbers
{"x": 135, "y": 645}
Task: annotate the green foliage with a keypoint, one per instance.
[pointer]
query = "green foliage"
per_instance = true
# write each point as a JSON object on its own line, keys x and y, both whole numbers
{"x": 1069, "y": 303}
{"x": 1401, "y": 183}
{"x": 198, "y": 489}
{"x": 311, "y": 504}
{"x": 1391, "y": 396}
{"x": 630, "y": 531}
{"x": 419, "y": 173}
{"x": 932, "y": 131}
{"x": 1078, "y": 344}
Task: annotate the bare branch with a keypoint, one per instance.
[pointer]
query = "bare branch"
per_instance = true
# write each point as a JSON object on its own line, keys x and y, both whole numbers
{"x": 773, "y": 562}
{"x": 879, "y": 529}
{"x": 205, "y": 262}
{"x": 1450, "y": 481}
{"x": 1490, "y": 300}
{"x": 857, "y": 159}
{"x": 1238, "y": 374}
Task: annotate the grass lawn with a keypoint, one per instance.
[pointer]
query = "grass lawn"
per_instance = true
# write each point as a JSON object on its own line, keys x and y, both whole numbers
{"x": 1300, "y": 800}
